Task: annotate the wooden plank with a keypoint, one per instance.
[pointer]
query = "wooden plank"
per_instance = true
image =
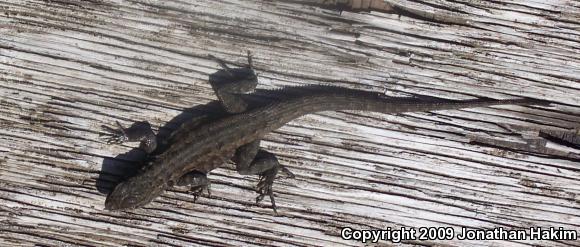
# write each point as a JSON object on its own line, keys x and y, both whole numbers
{"x": 69, "y": 66}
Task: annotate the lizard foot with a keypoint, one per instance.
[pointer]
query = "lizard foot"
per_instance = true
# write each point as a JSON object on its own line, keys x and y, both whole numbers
{"x": 115, "y": 136}
{"x": 264, "y": 186}
{"x": 285, "y": 170}
{"x": 138, "y": 132}
{"x": 197, "y": 191}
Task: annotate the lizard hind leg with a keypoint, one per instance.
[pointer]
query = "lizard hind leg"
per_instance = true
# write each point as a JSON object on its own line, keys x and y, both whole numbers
{"x": 251, "y": 160}
{"x": 198, "y": 182}
{"x": 237, "y": 81}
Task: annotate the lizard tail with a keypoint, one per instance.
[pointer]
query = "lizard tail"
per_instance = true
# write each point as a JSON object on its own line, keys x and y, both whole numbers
{"x": 400, "y": 106}
{"x": 325, "y": 98}
{"x": 328, "y": 98}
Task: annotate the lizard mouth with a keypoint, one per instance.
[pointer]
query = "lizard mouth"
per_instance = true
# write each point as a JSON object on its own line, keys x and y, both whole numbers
{"x": 115, "y": 200}
{"x": 133, "y": 193}
{"x": 122, "y": 197}
{"x": 111, "y": 205}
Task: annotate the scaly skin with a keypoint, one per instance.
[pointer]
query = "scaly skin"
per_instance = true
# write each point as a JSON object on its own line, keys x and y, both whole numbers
{"x": 209, "y": 146}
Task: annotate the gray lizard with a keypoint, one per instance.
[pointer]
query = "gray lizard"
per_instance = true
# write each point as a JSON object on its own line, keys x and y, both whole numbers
{"x": 196, "y": 149}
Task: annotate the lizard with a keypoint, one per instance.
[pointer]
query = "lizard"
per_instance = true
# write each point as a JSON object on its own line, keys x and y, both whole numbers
{"x": 195, "y": 149}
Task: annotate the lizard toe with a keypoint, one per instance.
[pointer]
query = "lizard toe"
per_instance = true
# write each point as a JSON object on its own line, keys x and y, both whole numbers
{"x": 197, "y": 191}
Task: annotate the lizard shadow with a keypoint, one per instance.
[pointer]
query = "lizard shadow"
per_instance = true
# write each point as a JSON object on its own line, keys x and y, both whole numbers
{"x": 125, "y": 165}
{"x": 117, "y": 169}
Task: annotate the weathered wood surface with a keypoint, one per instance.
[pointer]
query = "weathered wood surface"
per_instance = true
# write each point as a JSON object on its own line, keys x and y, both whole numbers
{"x": 69, "y": 66}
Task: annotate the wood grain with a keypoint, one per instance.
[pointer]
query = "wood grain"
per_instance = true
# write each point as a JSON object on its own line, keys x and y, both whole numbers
{"x": 69, "y": 66}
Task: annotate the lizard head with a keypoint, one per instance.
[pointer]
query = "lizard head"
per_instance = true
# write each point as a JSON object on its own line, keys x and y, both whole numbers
{"x": 135, "y": 192}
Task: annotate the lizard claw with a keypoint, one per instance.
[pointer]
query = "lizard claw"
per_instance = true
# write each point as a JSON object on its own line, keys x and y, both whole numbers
{"x": 114, "y": 136}
{"x": 266, "y": 190}
{"x": 264, "y": 186}
{"x": 197, "y": 191}
{"x": 288, "y": 173}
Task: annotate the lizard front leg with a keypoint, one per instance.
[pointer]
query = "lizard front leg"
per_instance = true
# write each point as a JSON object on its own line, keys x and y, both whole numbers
{"x": 198, "y": 182}
{"x": 238, "y": 81}
{"x": 251, "y": 160}
{"x": 142, "y": 132}
{"x": 138, "y": 132}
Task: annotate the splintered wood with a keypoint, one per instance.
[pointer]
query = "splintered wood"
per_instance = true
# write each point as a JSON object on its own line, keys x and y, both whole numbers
{"x": 69, "y": 67}
{"x": 359, "y": 5}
